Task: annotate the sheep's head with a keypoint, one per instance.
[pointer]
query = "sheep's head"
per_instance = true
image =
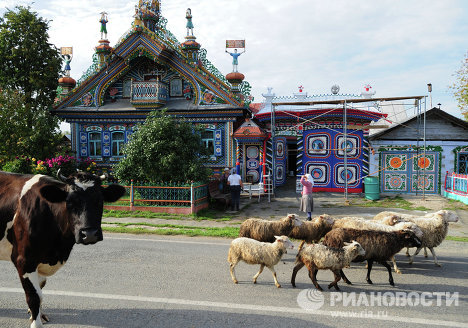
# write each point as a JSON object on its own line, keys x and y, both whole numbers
{"x": 284, "y": 240}
{"x": 410, "y": 239}
{"x": 411, "y": 227}
{"x": 391, "y": 220}
{"x": 325, "y": 219}
{"x": 448, "y": 216}
{"x": 356, "y": 248}
{"x": 294, "y": 220}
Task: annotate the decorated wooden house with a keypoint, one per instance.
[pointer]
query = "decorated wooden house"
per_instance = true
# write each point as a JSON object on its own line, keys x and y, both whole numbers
{"x": 406, "y": 166}
{"x": 317, "y": 134}
{"x": 148, "y": 69}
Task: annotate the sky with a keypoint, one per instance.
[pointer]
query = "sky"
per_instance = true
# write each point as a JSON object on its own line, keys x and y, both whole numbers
{"x": 396, "y": 46}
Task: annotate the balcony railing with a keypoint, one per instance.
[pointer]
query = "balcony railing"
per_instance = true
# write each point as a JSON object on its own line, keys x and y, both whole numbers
{"x": 148, "y": 93}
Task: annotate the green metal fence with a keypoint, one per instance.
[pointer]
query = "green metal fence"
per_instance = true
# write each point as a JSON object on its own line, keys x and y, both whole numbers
{"x": 167, "y": 194}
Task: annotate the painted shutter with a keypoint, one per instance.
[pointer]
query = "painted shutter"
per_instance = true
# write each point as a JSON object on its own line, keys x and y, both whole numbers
{"x": 218, "y": 142}
{"x": 83, "y": 144}
{"x": 106, "y": 143}
{"x": 128, "y": 133}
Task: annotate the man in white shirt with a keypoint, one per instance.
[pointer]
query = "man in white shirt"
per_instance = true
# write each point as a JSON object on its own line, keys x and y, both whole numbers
{"x": 235, "y": 185}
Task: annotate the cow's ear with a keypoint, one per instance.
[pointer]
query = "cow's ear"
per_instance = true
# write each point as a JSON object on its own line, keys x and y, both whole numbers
{"x": 113, "y": 193}
{"x": 53, "y": 194}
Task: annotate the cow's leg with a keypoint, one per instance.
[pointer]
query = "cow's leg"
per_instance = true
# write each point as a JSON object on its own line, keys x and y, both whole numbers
{"x": 32, "y": 289}
{"x": 42, "y": 283}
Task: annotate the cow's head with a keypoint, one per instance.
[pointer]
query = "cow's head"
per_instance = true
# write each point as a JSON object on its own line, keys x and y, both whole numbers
{"x": 84, "y": 197}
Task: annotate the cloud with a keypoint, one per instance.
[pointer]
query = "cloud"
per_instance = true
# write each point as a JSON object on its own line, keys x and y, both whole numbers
{"x": 398, "y": 46}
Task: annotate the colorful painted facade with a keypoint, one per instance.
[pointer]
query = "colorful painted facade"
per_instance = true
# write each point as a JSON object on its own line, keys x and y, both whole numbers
{"x": 312, "y": 139}
{"x": 404, "y": 166}
{"x": 148, "y": 69}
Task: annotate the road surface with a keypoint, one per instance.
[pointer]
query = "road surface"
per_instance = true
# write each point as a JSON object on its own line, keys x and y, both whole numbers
{"x": 157, "y": 281}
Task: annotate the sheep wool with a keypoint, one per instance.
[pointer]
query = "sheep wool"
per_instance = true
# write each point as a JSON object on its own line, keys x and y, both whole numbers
{"x": 320, "y": 257}
{"x": 264, "y": 230}
{"x": 379, "y": 245}
{"x": 434, "y": 227}
{"x": 312, "y": 231}
{"x": 252, "y": 251}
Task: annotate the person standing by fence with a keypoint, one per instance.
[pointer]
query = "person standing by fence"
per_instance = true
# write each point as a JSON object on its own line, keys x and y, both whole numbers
{"x": 235, "y": 185}
{"x": 307, "y": 201}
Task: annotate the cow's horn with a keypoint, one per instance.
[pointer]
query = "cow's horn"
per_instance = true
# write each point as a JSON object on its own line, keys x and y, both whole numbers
{"x": 60, "y": 176}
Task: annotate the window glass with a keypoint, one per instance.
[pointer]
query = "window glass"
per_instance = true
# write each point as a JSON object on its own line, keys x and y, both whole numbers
{"x": 208, "y": 140}
{"x": 118, "y": 140}
{"x": 95, "y": 144}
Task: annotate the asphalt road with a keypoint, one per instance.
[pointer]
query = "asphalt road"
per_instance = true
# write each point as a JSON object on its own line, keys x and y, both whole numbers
{"x": 156, "y": 281}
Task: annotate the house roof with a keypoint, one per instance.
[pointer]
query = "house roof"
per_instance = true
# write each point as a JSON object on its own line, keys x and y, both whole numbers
{"x": 161, "y": 47}
{"x": 431, "y": 113}
{"x": 249, "y": 130}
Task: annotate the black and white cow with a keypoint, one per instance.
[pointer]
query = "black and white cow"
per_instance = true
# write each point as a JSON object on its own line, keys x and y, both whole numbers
{"x": 40, "y": 221}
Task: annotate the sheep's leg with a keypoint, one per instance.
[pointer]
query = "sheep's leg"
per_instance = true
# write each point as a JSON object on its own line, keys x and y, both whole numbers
{"x": 407, "y": 252}
{"x": 233, "y": 275}
{"x": 314, "y": 277}
{"x": 435, "y": 257}
{"x": 389, "y": 269}
{"x": 395, "y": 266}
{"x": 425, "y": 252}
{"x": 295, "y": 270}
{"x": 346, "y": 280}
{"x": 300, "y": 246}
{"x": 272, "y": 269}
{"x": 336, "y": 273}
{"x": 369, "y": 269}
{"x": 258, "y": 273}
{"x": 415, "y": 253}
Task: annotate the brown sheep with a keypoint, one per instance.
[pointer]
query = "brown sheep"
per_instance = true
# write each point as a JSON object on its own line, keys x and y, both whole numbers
{"x": 264, "y": 230}
{"x": 312, "y": 231}
{"x": 380, "y": 246}
{"x": 320, "y": 257}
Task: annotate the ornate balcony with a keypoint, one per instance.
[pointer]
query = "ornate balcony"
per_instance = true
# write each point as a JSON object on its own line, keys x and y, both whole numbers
{"x": 148, "y": 94}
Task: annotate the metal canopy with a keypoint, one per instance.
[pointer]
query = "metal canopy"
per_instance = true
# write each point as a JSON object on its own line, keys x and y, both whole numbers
{"x": 342, "y": 101}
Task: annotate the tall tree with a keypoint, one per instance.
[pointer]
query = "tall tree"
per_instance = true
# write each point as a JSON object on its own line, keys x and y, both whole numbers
{"x": 29, "y": 71}
{"x": 460, "y": 88}
{"x": 163, "y": 149}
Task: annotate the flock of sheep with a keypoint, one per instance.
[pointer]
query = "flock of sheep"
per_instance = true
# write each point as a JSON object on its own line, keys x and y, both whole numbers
{"x": 344, "y": 240}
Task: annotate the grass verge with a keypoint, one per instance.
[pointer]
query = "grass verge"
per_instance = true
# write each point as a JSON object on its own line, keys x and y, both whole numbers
{"x": 454, "y": 238}
{"x": 171, "y": 229}
{"x": 207, "y": 214}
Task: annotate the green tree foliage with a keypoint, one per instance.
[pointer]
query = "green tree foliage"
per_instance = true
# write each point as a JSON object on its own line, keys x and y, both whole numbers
{"x": 29, "y": 72}
{"x": 460, "y": 88}
{"x": 163, "y": 149}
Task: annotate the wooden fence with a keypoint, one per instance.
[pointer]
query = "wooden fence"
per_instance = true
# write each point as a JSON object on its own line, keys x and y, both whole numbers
{"x": 456, "y": 186}
{"x": 164, "y": 198}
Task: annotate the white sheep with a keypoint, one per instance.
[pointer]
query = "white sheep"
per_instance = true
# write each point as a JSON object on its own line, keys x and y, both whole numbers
{"x": 252, "y": 251}
{"x": 320, "y": 257}
{"x": 433, "y": 225}
{"x": 362, "y": 224}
